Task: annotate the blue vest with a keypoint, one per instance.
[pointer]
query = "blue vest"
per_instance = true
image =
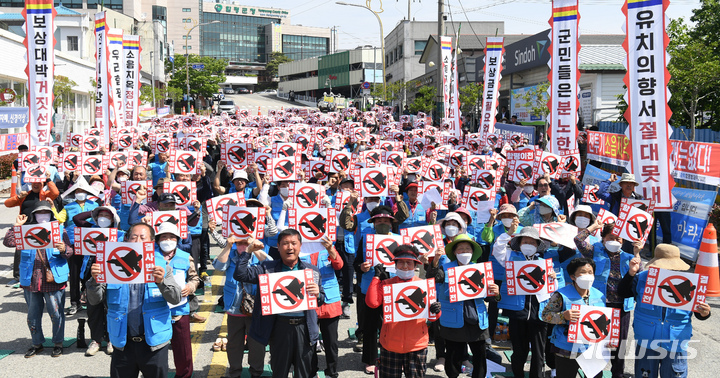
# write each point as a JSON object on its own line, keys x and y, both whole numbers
{"x": 327, "y": 275}
{"x": 367, "y": 277}
{"x": 232, "y": 290}
{"x": 602, "y": 271}
{"x": 247, "y": 192}
{"x": 180, "y": 262}
{"x": 58, "y": 265}
{"x": 276, "y": 203}
{"x": 523, "y": 201}
{"x": 417, "y": 217}
{"x": 552, "y": 253}
{"x": 156, "y": 314}
{"x": 72, "y": 209}
{"x": 499, "y": 270}
{"x": 452, "y": 312}
{"x": 515, "y": 302}
{"x": 158, "y": 172}
{"x": 196, "y": 229}
{"x": 125, "y": 216}
{"x": 362, "y": 228}
{"x": 649, "y": 323}
{"x": 570, "y": 296}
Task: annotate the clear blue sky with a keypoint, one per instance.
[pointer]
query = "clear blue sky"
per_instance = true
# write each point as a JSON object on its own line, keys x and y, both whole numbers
{"x": 359, "y": 27}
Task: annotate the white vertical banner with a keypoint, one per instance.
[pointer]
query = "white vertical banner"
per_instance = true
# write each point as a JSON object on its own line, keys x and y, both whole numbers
{"x": 448, "y": 81}
{"x": 102, "y": 77}
{"x": 563, "y": 76}
{"x": 494, "y": 50}
{"x": 131, "y": 97}
{"x": 116, "y": 68}
{"x": 40, "y": 44}
{"x": 648, "y": 112}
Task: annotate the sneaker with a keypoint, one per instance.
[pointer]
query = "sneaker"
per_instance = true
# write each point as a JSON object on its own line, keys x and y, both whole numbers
{"x": 440, "y": 364}
{"x": 370, "y": 369}
{"x": 196, "y": 318}
{"x": 33, "y": 351}
{"x": 468, "y": 365}
{"x": 93, "y": 348}
{"x": 57, "y": 351}
{"x": 12, "y": 282}
{"x": 72, "y": 310}
{"x": 553, "y": 373}
{"x": 345, "y": 311}
{"x": 109, "y": 349}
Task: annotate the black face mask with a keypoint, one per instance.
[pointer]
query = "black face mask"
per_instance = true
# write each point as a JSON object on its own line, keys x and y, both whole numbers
{"x": 383, "y": 228}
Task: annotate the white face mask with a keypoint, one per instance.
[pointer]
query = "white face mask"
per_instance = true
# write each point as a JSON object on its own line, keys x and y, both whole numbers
{"x": 582, "y": 222}
{"x": 528, "y": 249}
{"x": 464, "y": 258}
{"x": 585, "y": 281}
{"x": 528, "y": 189}
{"x": 80, "y": 196}
{"x": 451, "y": 231}
{"x": 167, "y": 245}
{"x": 612, "y": 245}
{"x": 405, "y": 274}
{"x": 42, "y": 218}
{"x": 104, "y": 222}
{"x": 122, "y": 178}
{"x": 284, "y": 192}
{"x": 507, "y": 222}
{"x": 544, "y": 210}
{"x": 371, "y": 205}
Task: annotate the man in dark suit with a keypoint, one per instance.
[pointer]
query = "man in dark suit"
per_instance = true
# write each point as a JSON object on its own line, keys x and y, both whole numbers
{"x": 291, "y": 336}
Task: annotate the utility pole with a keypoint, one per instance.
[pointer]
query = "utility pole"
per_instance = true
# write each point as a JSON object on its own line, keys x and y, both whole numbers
{"x": 440, "y": 92}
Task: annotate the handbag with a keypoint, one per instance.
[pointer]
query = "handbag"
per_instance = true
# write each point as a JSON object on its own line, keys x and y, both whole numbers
{"x": 49, "y": 277}
{"x": 9, "y": 240}
{"x": 247, "y": 303}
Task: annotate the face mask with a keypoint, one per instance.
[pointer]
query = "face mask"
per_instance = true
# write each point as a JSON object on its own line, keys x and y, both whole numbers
{"x": 284, "y": 192}
{"x": 464, "y": 258}
{"x": 544, "y": 210}
{"x": 405, "y": 274}
{"x": 122, "y": 178}
{"x": 613, "y": 245}
{"x": 451, "y": 231}
{"x": 383, "y": 228}
{"x": 582, "y": 222}
{"x": 167, "y": 245}
{"x": 528, "y": 249}
{"x": 80, "y": 196}
{"x": 98, "y": 186}
{"x": 42, "y": 218}
{"x": 371, "y": 205}
{"x": 528, "y": 189}
{"x": 104, "y": 222}
{"x": 507, "y": 222}
{"x": 585, "y": 281}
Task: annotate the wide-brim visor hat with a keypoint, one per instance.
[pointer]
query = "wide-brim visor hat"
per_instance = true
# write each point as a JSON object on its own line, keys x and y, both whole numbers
{"x": 581, "y": 209}
{"x": 667, "y": 256}
{"x": 407, "y": 255}
{"x": 96, "y": 212}
{"x": 463, "y": 238}
{"x": 530, "y": 232}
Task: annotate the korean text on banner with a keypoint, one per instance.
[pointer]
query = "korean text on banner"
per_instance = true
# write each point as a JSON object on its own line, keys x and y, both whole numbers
{"x": 648, "y": 112}
{"x": 284, "y": 292}
{"x": 563, "y": 76}
{"x": 608, "y": 148}
{"x": 690, "y": 215}
{"x": 116, "y": 69}
{"x": 131, "y": 98}
{"x": 448, "y": 64}
{"x": 40, "y": 41}
{"x": 102, "y": 77}
{"x": 493, "y": 66}
{"x": 408, "y": 300}
{"x": 693, "y": 161}
{"x": 673, "y": 289}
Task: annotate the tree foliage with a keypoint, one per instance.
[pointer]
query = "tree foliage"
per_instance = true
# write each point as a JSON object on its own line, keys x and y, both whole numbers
{"x": 536, "y": 100}
{"x": 469, "y": 95}
{"x": 161, "y": 94}
{"x": 204, "y": 82}
{"x": 276, "y": 58}
{"x": 395, "y": 91}
{"x": 424, "y": 100}
{"x": 62, "y": 90}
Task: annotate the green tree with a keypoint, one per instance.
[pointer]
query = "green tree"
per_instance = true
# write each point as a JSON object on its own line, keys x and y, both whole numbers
{"x": 469, "y": 95}
{"x": 621, "y": 106}
{"x": 694, "y": 71}
{"x": 395, "y": 91}
{"x": 536, "y": 100}
{"x": 424, "y": 100}
{"x": 62, "y": 90}
{"x": 204, "y": 82}
{"x": 276, "y": 58}
{"x": 161, "y": 94}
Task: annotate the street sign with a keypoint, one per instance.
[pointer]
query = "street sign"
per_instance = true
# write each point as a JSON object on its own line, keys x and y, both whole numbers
{"x": 366, "y": 85}
{"x": 198, "y": 66}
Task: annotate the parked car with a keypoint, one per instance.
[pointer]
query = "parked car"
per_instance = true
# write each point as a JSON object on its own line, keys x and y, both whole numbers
{"x": 242, "y": 90}
{"x": 227, "y": 106}
{"x": 228, "y": 90}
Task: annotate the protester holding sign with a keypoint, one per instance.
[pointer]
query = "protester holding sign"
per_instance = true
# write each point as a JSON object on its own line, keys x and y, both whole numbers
{"x": 627, "y": 190}
{"x": 291, "y": 335}
{"x": 662, "y": 333}
{"x": 43, "y": 278}
{"x": 403, "y": 344}
{"x": 541, "y": 210}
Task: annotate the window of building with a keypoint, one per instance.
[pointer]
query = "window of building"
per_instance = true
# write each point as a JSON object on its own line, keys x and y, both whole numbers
{"x": 187, "y": 9}
{"x": 13, "y": 3}
{"x": 187, "y": 47}
{"x": 72, "y": 43}
{"x": 299, "y": 47}
{"x": 187, "y": 20}
{"x": 187, "y": 37}
{"x": 419, "y": 47}
{"x": 73, "y": 4}
{"x": 400, "y": 51}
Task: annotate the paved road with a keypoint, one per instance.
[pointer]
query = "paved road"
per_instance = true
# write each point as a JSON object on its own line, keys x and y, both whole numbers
{"x": 264, "y": 101}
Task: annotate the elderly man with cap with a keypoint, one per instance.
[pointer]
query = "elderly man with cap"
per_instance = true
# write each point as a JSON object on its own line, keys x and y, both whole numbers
{"x": 186, "y": 276}
{"x": 43, "y": 277}
{"x": 627, "y": 190}
{"x": 528, "y": 333}
{"x": 100, "y": 217}
{"x": 240, "y": 182}
{"x": 662, "y": 333}
{"x": 291, "y": 336}
{"x": 417, "y": 214}
{"x": 403, "y": 345}
{"x": 139, "y": 320}
{"x": 165, "y": 202}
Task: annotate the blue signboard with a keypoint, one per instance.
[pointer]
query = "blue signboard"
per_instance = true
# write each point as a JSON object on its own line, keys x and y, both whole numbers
{"x": 13, "y": 116}
{"x": 526, "y": 131}
{"x": 689, "y": 219}
{"x": 198, "y": 66}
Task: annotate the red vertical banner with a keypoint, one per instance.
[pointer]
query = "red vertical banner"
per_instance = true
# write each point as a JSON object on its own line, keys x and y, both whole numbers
{"x": 494, "y": 51}
{"x": 648, "y": 112}
{"x": 563, "y": 76}
{"x": 40, "y": 44}
{"x": 102, "y": 78}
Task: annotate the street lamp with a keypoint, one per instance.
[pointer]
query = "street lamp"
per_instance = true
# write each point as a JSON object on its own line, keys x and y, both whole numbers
{"x": 382, "y": 42}
{"x": 187, "y": 58}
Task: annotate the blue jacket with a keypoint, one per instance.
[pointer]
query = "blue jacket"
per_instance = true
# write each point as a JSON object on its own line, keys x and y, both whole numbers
{"x": 602, "y": 271}
{"x": 516, "y": 302}
{"x": 156, "y": 313}
{"x": 232, "y": 290}
{"x": 180, "y": 264}
{"x": 327, "y": 275}
{"x": 58, "y": 265}
{"x": 362, "y": 227}
{"x": 263, "y": 325}
{"x": 570, "y": 296}
{"x": 416, "y": 218}
{"x": 276, "y": 204}
{"x": 72, "y": 209}
{"x": 452, "y": 315}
